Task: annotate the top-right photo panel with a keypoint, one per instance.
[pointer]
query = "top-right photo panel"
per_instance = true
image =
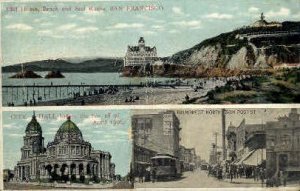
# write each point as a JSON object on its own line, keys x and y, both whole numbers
{"x": 150, "y": 52}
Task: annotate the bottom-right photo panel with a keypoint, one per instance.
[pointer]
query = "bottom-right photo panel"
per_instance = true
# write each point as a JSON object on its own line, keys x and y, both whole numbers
{"x": 216, "y": 148}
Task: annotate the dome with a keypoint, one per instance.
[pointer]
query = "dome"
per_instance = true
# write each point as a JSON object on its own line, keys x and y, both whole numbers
{"x": 68, "y": 131}
{"x": 33, "y": 126}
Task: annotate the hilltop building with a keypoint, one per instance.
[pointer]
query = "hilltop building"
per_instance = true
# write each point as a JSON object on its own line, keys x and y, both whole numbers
{"x": 140, "y": 55}
{"x": 283, "y": 145}
{"x": 68, "y": 157}
{"x": 263, "y": 23}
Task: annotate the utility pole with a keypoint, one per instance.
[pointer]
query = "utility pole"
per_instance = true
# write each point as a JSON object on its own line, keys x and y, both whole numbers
{"x": 215, "y": 149}
{"x": 216, "y": 138}
{"x": 223, "y": 134}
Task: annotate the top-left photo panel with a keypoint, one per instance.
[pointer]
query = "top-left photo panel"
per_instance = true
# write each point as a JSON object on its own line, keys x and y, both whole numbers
{"x": 150, "y": 52}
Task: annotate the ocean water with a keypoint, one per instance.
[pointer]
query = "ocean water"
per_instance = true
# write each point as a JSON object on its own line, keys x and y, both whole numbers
{"x": 24, "y": 95}
{"x": 79, "y": 78}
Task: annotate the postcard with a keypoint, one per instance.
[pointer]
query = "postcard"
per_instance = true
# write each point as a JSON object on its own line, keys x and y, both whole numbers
{"x": 200, "y": 147}
{"x": 68, "y": 149}
{"x": 149, "y": 52}
{"x": 216, "y": 148}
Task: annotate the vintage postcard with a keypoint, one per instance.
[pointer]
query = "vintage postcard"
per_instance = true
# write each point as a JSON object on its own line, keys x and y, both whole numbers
{"x": 141, "y": 148}
{"x": 81, "y": 149}
{"x": 150, "y": 52}
{"x": 216, "y": 148}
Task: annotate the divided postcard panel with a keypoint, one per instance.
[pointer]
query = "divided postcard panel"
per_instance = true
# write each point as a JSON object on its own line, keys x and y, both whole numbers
{"x": 149, "y": 53}
{"x": 158, "y": 52}
{"x": 151, "y": 148}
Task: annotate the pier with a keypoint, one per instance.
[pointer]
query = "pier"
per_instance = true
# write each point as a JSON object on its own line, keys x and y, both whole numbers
{"x": 31, "y": 94}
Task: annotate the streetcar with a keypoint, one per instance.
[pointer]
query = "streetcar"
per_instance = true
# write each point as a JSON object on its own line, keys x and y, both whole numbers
{"x": 166, "y": 166}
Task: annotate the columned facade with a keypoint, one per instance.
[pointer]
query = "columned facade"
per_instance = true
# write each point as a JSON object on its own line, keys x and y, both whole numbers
{"x": 68, "y": 158}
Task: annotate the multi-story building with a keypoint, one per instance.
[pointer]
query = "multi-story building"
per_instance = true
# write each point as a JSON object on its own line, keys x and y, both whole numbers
{"x": 140, "y": 55}
{"x": 245, "y": 142}
{"x": 188, "y": 157}
{"x": 283, "y": 145}
{"x": 154, "y": 134}
{"x": 68, "y": 157}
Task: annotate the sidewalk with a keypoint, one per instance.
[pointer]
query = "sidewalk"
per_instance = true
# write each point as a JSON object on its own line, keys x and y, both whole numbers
{"x": 244, "y": 181}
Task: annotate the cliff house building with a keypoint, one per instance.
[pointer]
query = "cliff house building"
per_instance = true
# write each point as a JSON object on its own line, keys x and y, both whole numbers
{"x": 140, "y": 55}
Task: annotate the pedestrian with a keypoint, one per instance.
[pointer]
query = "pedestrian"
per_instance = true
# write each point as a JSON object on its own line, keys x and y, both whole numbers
{"x": 261, "y": 176}
{"x": 153, "y": 174}
{"x": 285, "y": 175}
{"x": 231, "y": 173}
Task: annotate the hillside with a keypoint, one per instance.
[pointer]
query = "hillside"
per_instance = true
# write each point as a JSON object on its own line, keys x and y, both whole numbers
{"x": 94, "y": 65}
{"x": 245, "y": 48}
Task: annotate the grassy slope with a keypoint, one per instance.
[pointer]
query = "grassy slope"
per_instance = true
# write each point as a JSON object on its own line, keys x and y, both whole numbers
{"x": 282, "y": 87}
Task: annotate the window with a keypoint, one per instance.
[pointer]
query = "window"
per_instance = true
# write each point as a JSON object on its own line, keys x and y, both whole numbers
{"x": 167, "y": 128}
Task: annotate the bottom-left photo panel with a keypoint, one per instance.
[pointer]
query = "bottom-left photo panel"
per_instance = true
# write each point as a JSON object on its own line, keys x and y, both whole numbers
{"x": 69, "y": 149}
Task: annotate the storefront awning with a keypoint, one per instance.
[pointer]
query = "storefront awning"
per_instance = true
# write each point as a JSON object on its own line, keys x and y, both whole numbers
{"x": 244, "y": 157}
{"x": 256, "y": 157}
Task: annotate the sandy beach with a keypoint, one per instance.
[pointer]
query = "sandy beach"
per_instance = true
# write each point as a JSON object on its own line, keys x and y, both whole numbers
{"x": 146, "y": 96}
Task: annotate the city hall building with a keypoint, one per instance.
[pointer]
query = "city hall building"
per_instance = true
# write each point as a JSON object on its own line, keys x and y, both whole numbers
{"x": 68, "y": 157}
{"x": 140, "y": 55}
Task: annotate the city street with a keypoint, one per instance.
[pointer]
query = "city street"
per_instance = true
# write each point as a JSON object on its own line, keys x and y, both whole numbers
{"x": 199, "y": 179}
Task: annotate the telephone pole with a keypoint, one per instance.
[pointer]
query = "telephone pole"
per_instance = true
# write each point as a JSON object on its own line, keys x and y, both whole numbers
{"x": 223, "y": 134}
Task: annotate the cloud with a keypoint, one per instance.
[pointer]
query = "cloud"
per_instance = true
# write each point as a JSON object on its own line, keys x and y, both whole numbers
{"x": 296, "y": 16}
{"x": 48, "y": 33}
{"x": 177, "y": 11}
{"x": 253, "y": 9}
{"x": 46, "y": 24}
{"x": 281, "y": 13}
{"x": 20, "y": 27}
{"x": 173, "y": 31}
{"x": 193, "y": 24}
{"x": 218, "y": 16}
{"x": 158, "y": 27}
{"x": 86, "y": 29}
{"x": 148, "y": 32}
{"x": 15, "y": 135}
{"x": 127, "y": 25}
{"x": 12, "y": 126}
{"x": 44, "y": 32}
{"x": 67, "y": 27}
{"x": 146, "y": 18}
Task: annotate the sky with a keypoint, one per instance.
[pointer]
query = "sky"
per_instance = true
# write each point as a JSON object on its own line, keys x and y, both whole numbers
{"x": 106, "y": 137}
{"x": 197, "y": 129}
{"x": 108, "y": 28}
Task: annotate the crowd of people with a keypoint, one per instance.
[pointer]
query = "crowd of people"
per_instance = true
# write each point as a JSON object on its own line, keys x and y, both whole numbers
{"x": 231, "y": 171}
{"x": 257, "y": 173}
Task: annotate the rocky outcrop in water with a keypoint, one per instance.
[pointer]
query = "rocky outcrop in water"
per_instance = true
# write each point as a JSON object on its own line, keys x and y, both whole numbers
{"x": 54, "y": 74}
{"x": 26, "y": 74}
